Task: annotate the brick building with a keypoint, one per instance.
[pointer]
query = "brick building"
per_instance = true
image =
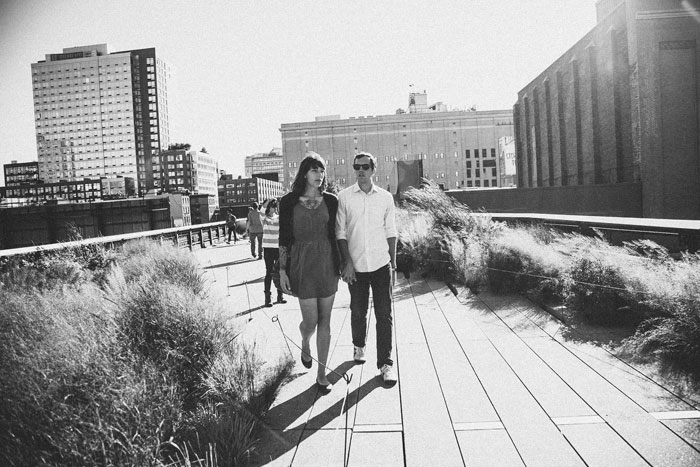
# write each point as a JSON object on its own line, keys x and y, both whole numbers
{"x": 457, "y": 149}
{"x": 620, "y": 107}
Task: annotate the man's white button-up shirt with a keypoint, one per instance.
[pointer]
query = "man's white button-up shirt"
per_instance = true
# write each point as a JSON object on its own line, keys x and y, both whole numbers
{"x": 366, "y": 220}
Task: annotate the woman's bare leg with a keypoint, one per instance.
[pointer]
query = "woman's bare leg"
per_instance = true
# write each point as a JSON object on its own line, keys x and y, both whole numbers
{"x": 323, "y": 337}
{"x": 309, "y": 320}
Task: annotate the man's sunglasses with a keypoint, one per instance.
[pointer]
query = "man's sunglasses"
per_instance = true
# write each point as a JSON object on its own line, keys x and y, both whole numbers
{"x": 361, "y": 166}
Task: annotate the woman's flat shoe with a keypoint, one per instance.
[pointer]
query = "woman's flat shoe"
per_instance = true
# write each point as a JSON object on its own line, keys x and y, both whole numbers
{"x": 306, "y": 363}
{"x": 324, "y": 388}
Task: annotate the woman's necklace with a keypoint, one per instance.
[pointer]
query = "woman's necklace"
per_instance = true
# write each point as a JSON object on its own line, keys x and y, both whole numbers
{"x": 311, "y": 202}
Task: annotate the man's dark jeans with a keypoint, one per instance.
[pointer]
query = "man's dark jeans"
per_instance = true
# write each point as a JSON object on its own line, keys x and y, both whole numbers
{"x": 380, "y": 281}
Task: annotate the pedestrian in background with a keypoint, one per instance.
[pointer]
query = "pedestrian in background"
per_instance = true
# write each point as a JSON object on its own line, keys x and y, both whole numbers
{"x": 307, "y": 238}
{"x": 366, "y": 233}
{"x": 271, "y": 252}
{"x": 254, "y": 229}
{"x": 231, "y": 225}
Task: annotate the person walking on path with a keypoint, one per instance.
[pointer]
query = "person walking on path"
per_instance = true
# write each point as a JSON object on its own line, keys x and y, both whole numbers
{"x": 271, "y": 252}
{"x": 366, "y": 233}
{"x": 254, "y": 229}
{"x": 309, "y": 260}
{"x": 231, "y": 225}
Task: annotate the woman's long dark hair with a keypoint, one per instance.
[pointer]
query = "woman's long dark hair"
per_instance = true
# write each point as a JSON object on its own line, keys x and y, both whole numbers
{"x": 311, "y": 161}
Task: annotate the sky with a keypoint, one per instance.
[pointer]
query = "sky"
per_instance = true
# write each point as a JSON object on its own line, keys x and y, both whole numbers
{"x": 240, "y": 69}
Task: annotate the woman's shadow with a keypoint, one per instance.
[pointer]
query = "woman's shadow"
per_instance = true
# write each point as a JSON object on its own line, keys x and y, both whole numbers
{"x": 274, "y": 433}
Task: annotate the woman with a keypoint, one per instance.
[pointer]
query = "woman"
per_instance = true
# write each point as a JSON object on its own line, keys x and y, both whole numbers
{"x": 309, "y": 260}
{"x": 270, "y": 243}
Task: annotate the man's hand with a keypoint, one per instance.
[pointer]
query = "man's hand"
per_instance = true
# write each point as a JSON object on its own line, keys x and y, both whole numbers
{"x": 393, "y": 276}
{"x": 348, "y": 274}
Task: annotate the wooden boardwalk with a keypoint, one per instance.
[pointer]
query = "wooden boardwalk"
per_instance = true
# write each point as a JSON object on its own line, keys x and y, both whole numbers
{"x": 483, "y": 381}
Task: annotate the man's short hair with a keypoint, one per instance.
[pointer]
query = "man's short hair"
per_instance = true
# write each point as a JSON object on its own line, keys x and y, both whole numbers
{"x": 372, "y": 159}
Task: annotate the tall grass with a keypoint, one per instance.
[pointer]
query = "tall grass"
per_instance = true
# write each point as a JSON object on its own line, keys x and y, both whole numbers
{"x": 442, "y": 237}
{"x": 128, "y": 363}
{"x": 637, "y": 284}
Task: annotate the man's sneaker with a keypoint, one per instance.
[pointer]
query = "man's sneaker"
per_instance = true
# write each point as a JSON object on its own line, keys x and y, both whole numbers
{"x": 388, "y": 375}
{"x": 359, "y": 354}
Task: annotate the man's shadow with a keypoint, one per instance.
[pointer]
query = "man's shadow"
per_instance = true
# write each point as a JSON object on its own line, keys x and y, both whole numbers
{"x": 274, "y": 433}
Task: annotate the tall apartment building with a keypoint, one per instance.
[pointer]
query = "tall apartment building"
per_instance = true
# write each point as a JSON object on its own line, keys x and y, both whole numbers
{"x": 620, "y": 107}
{"x": 177, "y": 170}
{"x": 458, "y": 149}
{"x": 100, "y": 114}
{"x": 268, "y": 165}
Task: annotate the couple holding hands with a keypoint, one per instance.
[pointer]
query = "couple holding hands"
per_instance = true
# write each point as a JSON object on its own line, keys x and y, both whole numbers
{"x": 323, "y": 238}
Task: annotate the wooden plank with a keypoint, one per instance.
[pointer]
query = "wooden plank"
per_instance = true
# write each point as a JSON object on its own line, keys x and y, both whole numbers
{"x": 407, "y": 327}
{"x": 689, "y": 430}
{"x": 600, "y": 446}
{"x": 535, "y": 436}
{"x": 488, "y": 448}
{"x": 465, "y": 397}
{"x": 550, "y": 391}
{"x": 555, "y": 397}
{"x": 378, "y": 404}
{"x": 425, "y": 416}
{"x": 322, "y": 447}
{"x": 337, "y": 408}
{"x": 293, "y": 404}
{"x": 376, "y": 449}
{"x": 644, "y": 391}
{"x": 656, "y": 443}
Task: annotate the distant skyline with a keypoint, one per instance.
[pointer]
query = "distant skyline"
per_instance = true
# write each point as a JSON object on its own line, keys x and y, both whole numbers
{"x": 240, "y": 69}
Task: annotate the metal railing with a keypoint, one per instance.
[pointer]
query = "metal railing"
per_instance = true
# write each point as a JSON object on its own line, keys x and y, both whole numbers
{"x": 191, "y": 236}
{"x": 681, "y": 234}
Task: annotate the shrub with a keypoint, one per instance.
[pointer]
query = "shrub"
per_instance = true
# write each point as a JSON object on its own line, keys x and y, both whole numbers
{"x": 526, "y": 260}
{"x": 134, "y": 373}
{"x": 597, "y": 291}
{"x": 672, "y": 294}
{"x": 442, "y": 237}
{"x": 161, "y": 263}
{"x": 68, "y": 397}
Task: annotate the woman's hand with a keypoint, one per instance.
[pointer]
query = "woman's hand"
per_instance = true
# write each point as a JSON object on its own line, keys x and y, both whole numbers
{"x": 348, "y": 273}
{"x": 284, "y": 282}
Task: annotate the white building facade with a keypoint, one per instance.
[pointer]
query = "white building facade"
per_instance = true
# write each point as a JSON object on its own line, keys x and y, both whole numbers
{"x": 99, "y": 114}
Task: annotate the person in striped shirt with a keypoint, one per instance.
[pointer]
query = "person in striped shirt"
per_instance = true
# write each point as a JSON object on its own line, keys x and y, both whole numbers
{"x": 271, "y": 251}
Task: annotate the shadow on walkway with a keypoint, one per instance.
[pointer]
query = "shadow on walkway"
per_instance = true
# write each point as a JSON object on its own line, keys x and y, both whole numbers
{"x": 230, "y": 263}
{"x": 275, "y": 435}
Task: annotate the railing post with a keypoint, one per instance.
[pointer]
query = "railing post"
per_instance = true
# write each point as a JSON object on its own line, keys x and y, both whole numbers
{"x": 201, "y": 239}
{"x": 189, "y": 239}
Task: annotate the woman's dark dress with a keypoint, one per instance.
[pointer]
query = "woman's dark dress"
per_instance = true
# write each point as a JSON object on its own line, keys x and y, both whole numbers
{"x": 312, "y": 273}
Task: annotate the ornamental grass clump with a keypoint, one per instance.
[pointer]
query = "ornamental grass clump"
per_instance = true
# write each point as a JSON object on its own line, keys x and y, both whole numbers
{"x": 528, "y": 260}
{"x": 70, "y": 397}
{"x": 129, "y": 364}
{"x": 670, "y": 291}
{"x": 442, "y": 237}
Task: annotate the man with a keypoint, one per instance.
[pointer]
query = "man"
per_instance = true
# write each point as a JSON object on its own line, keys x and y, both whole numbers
{"x": 254, "y": 228}
{"x": 366, "y": 233}
{"x": 231, "y": 225}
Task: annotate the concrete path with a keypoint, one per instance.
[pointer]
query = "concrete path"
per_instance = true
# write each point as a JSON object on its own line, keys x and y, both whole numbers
{"x": 483, "y": 381}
